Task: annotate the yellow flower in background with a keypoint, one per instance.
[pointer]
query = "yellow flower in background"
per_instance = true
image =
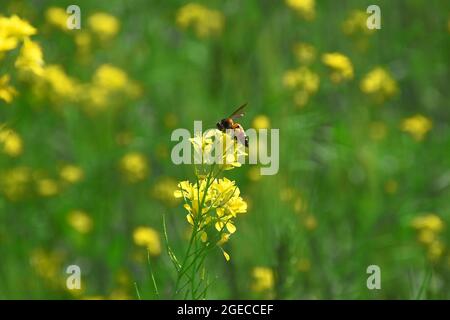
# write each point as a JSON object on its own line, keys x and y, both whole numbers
{"x": 435, "y": 250}
{"x": 163, "y": 191}
{"x": 261, "y": 122}
{"x": 7, "y": 43}
{"x": 428, "y": 221}
{"x": 71, "y": 173}
{"x": 30, "y": 58}
{"x": 60, "y": 83}
{"x": 310, "y": 222}
{"x": 57, "y": 17}
{"x": 83, "y": 41}
{"x": 303, "y": 82}
{"x": 47, "y": 187}
{"x": 417, "y": 126}
{"x": 356, "y": 24}
{"x": 391, "y": 186}
{"x": 11, "y": 141}
{"x": 7, "y": 92}
{"x": 340, "y": 65}
{"x": 104, "y": 25}
{"x": 305, "y": 8}
{"x": 48, "y": 265}
{"x": 16, "y": 27}
{"x": 149, "y": 238}
{"x": 206, "y": 22}
{"x": 134, "y": 166}
{"x": 263, "y": 279}
{"x": 80, "y": 221}
{"x": 429, "y": 226}
{"x": 379, "y": 83}
{"x": 305, "y": 53}
{"x": 14, "y": 183}
{"x": 254, "y": 173}
{"x": 110, "y": 77}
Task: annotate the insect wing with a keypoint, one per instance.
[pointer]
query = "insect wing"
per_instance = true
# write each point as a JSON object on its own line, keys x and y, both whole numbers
{"x": 238, "y": 113}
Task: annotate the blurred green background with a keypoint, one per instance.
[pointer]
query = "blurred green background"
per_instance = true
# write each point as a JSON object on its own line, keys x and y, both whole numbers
{"x": 85, "y": 168}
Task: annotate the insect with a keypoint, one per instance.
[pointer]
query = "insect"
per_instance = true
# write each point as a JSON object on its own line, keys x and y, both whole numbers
{"x": 229, "y": 124}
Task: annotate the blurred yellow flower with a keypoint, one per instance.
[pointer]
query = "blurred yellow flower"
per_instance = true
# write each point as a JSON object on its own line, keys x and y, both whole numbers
{"x": 379, "y": 83}
{"x": 71, "y": 173}
{"x": 12, "y": 142}
{"x": 110, "y": 77}
{"x": 48, "y": 265}
{"x": 57, "y": 84}
{"x": 340, "y": 65}
{"x": 435, "y": 250}
{"x": 305, "y": 53}
{"x": 310, "y": 222}
{"x": 417, "y": 126}
{"x": 57, "y": 17}
{"x": 163, "y": 191}
{"x": 356, "y": 24}
{"x": 83, "y": 41}
{"x": 263, "y": 279}
{"x": 104, "y": 25}
{"x": 303, "y": 82}
{"x": 149, "y": 238}
{"x": 254, "y": 173}
{"x": 134, "y": 166}
{"x": 16, "y": 27}
{"x": 14, "y": 182}
{"x": 305, "y": 8}
{"x": 7, "y": 92}
{"x": 30, "y": 58}
{"x": 428, "y": 221}
{"x": 80, "y": 221}
{"x": 170, "y": 120}
{"x": 47, "y": 187}
{"x": 206, "y": 22}
{"x": 261, "y": 122}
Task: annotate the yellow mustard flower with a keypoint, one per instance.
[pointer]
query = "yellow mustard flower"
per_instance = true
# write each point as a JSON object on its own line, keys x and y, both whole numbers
{"x": 58, "y": 84}
{"x": 7, "y": 92}
{"x": 134, "y": 166}
{"x": 305, "y": 53}
{"x": 206, "y": 22}
{"x": 30, "y": 58}
{"x": 305, "y": 8}
{"x": 304, "y": 82}
{"x": 16, "y": 27}
{"x": 104, "y": 25}
{"x": 110, "y": 77}
{"x": 149, "y": 238}
{"x": 263, "y": 279}
{"x": 14, "y": 183}
{"x": 310, "y": 222}
{"x": 47, "y": 187}
{"x": 417, "y": 126}
{"x": 80, "y": 221}
{"x": 435, "y": 250}
{"x": 356, "y": 24}
{"x": 83, "y": 41}
{"x": 48, "y": 265}
{"x": 261, "y": 122}
{"x": 340, "y": 65}
{"x": 221, "y": 205}
{"x": 429, "y": 221}
{"x": 71, "y": 173}
{"x": 379, "y": 83}
{"x": 12, "y": 142}
{"x": 163, "y": 191}
{"x": 57, "y": 17}
{"x": 391, "y": 186}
